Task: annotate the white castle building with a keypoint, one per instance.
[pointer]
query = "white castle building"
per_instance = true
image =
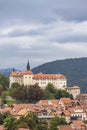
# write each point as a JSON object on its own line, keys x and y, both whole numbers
{"x": 28, "y": 78}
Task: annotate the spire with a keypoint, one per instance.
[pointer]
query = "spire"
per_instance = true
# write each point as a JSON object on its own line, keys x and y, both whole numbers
{"x": 13, "y": 69}
{"x": 28, "y": 66}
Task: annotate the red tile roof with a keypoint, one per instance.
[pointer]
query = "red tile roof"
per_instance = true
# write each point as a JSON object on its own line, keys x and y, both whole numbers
{"x": 78, "y": 124}
{"x": 66, "y": 113}
{"x": 23, "y": 129}
{"x": 74, "y": 87}
{"x": 18, "y": 108}
{"x": 67, "y": 102}
{"x": 16, "y": 74}
{"x": 65, "y": 127}
{"x": 28, "y": 72}
{"x": 6, "y": 109}
{"x": 2, "y": 127}
{"x": 39, "y": 75}
{"x": 49, "y": 76}
{"x": 54, "y": 103}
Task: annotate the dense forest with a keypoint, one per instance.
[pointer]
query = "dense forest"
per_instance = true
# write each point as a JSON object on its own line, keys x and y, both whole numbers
{"x": 74, "y": 69}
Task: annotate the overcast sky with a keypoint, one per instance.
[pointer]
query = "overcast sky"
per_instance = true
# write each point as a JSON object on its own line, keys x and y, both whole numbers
{"x": 41, "y": 31}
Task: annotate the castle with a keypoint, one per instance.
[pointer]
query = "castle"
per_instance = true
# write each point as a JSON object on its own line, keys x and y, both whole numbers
{"x": 28, "y": 78}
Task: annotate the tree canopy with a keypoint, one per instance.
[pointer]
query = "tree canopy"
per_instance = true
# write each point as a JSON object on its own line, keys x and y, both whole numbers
{"x": 53, "y": 93}
{"x": 4, "y": 81}
{"x": 32, "y": 93}
{"x": 10, "y": 123}
{"x": 55, "y": 121}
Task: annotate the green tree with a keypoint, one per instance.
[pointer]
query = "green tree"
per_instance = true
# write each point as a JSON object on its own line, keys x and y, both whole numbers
{"x": 50, "y": 91}
{"x": 4, "y": 81}
{"x": 3, "y": 97}
{"x": 50, "y": 88}
{"x": 6, "y": 114}
{"x": 55, "y": 121}
{"x": 10, "y": 123}
{"x": 32, "y": 93}
{"x": 35, "y": 93}
{"x": 19, "y": 93}
{"x": 58, "y": 94}
{"x": 62, "y": 93}
{"x": 23, "y": 125}
{"x": 15, "y": 85}
{"x": 1, "y": 118}
{"x": 23, "y": 122}
{"x": 1, "y": 89}
{"x": 32, "y": 120}
{"x": 43, "y": 125}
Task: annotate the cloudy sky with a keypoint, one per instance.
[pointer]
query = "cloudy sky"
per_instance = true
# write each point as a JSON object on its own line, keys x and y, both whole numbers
{"x": 41, "y": 31}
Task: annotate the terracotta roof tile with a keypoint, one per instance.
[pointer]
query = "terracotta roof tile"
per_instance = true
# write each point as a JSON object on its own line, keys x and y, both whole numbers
{"x": 21, "y": 109}
{"x": 74, "y": 87}
{"x": 28, "y": 72}
{"x": 2, "y": 127}
{"x": 49, "y": 76}
{"x": 6, "y": 109}
{"x": 78, "y": 124}
{"x": 23, "y": 129}
{"x": 66, "y": 112}
{"x": 54, "y": 103}
{"x": 65, "y": 127}
{"x": 16, "y": 74}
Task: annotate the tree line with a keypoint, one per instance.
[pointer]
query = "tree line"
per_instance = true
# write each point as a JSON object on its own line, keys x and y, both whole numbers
{"x": 34, "y": 93}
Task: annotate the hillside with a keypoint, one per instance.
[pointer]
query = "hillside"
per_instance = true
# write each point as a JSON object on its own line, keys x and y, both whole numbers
{"x": 6, "y": 71}
{"x": 74, "y": 69}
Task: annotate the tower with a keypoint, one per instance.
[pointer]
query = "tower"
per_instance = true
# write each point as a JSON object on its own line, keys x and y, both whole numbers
{"x": 13, "y": 69}
{"x": 28, "y": 66}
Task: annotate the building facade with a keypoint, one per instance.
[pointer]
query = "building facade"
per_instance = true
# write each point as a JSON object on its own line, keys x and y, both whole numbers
{"x": 75, "y": 90}
{"x": 28, "y": 78}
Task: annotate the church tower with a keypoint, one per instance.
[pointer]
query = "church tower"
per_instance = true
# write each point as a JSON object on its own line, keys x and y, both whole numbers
{"x": 13, "y": 70}
{"x": 28, "y": 66}
{"x": 28, "y": 76}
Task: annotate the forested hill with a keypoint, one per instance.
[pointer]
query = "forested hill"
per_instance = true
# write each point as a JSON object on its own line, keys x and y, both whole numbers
{"x": 6, "y": 71}
{"x": 74, "y": 69}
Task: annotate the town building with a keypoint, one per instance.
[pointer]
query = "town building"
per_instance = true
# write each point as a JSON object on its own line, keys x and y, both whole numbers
{"x": 27, "y": 78}
{"x": 75, "y": 90}
{"x": 78, "y": 125}
{"x": 65, "y": 127}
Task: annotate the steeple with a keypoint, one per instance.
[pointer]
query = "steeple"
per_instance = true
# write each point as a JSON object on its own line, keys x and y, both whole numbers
{"x": 28, "y": 66}
{"x": 13, "y": 69}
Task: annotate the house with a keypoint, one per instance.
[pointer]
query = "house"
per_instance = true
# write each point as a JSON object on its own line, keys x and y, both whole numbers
{"x": 78, "y": 113}
{"x": 75, "y": 90}
{"x": 18, "y": 110}
{"x": 65, "y": 127}
{"x": 49, "y": 109}
{"x": 65, "y": 103}
{"x": 78, "y": 125}
{"x": 67, "y": 115}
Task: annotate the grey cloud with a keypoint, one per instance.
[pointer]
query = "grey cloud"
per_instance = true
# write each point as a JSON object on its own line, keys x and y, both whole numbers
{"x": 72, "y": 10}
{"x": 55, "y": 39}
{"x": 43, "y": 10}
{"x": 71, "y": 38}
{"x": 25, "y": 33}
